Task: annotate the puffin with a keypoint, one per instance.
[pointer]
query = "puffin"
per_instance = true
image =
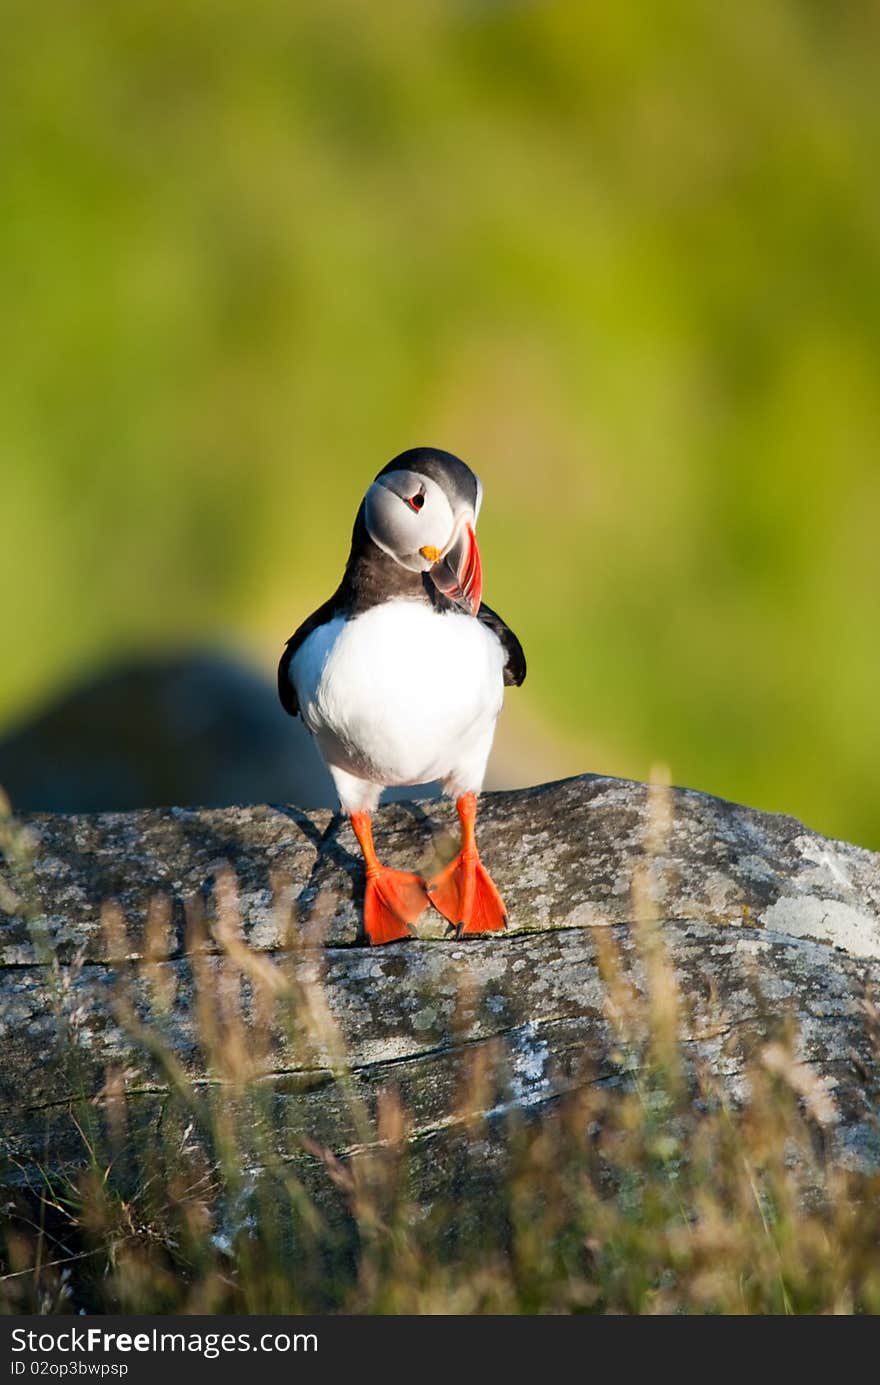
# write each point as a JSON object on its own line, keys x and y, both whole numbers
{"x": 400, "y": 677}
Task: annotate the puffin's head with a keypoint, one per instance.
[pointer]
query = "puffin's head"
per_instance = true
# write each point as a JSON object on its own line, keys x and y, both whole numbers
{"x": 422, "y": 510}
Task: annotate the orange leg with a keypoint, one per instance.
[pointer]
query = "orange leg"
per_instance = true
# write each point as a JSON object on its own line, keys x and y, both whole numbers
{"x": 464, "y": 891}
{"x": 393, "y": 899}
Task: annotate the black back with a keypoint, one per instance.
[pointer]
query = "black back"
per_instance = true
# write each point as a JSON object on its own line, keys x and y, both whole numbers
{"x": 515, "y": 662}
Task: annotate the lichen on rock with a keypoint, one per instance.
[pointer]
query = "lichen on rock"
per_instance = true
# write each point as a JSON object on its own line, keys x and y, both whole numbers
{"x": 760, "y": 918}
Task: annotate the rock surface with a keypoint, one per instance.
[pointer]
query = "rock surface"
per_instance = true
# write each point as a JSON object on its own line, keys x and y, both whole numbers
{"x": 761, "y": 918}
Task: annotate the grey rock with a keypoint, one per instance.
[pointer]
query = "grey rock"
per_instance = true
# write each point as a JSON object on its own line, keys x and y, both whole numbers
{"x": 760, "y": 917}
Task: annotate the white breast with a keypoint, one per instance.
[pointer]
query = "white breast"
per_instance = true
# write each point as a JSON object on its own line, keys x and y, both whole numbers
{"x": 402, "y": 694}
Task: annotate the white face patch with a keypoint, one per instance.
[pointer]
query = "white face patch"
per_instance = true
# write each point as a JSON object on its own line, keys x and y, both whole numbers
{"x": 404, "y": 513}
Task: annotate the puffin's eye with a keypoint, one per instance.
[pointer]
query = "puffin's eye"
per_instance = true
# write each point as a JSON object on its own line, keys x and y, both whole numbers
{"x": 415, "y": 502}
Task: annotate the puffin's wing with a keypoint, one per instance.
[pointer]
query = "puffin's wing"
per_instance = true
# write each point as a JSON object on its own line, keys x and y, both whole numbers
{"x": 286, "y": 690}
{"x": 515, "y": 661}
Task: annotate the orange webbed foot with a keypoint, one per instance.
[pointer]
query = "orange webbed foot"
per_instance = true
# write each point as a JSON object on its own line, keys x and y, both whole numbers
{"x": 464, "y": 892}
{"x": 393, "y": 899}
{"x": 466, "y": 895}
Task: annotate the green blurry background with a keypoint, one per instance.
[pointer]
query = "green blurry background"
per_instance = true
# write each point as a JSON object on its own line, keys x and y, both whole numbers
{"x": 624, "y": 259}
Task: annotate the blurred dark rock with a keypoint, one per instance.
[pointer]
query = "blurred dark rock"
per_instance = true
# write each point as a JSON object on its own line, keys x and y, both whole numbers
{"x": 198, "y": 729}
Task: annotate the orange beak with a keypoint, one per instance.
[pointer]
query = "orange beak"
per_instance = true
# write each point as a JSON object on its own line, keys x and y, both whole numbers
{"x": 460, "y": 574}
